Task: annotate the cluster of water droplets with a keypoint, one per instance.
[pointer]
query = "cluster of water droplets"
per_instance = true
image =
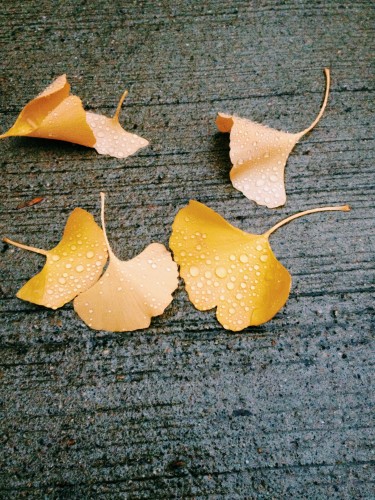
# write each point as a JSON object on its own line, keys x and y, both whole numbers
{"x": 131, "y": 292}
{"x": 111, "y": 138}
{"x": 231, "y": 280}
{"x": 73, "y": 266}
{"x": 259, "y": 155}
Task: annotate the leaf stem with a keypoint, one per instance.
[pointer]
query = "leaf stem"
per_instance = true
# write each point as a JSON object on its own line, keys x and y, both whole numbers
{"x": 118, "y": 109}
{"x": 25, "y": 247}
{"x": 320, "y": 114}
{"x": 342, "y": 208}
{"x": 102, "y": 197}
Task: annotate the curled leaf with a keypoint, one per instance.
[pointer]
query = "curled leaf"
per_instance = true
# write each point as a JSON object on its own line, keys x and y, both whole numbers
{"x": 130, "y": 292}
{"x": 54, "y": 114}
{"x": 225, "y": 267}
{"x": 259, "y": 154}
{"x": 74, "y": 265}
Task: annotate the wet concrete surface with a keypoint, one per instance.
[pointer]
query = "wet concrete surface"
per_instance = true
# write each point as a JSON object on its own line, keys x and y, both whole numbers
{"x": 186, "y": 409}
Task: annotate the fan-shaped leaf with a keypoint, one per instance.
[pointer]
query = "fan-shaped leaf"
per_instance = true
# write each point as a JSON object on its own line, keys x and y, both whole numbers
{"x": 74, "y": 265}
{"x": 259, "y": 154}
{"x": 225, "y": 267}
{"x": 130, "y": 292}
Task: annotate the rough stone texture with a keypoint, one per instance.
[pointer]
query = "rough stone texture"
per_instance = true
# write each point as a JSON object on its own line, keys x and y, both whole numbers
{"x": 186, "y": 409}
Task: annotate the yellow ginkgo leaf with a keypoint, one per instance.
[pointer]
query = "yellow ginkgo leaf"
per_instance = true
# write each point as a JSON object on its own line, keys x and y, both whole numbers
{"x": 225, "y": 267}
{"x": 54, "y": 114}
{"x": 72, "y": 266}
{"x": 259, "y": 154}
{"x": 130, "y": 292}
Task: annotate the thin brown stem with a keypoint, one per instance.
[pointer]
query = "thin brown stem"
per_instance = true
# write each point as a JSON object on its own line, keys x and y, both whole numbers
{"x": 118, "y": 109}
{"x": 342, "y": 208}
{"x": 25, "y": 247}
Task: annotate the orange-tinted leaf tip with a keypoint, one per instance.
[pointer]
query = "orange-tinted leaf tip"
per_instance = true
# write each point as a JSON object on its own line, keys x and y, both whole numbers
{"x": 54, "y": 114}
{"x": 74, "y": 265}
{"x": 130, "y": 292}
{"x": 226, "y": 268}
{"x": 259, "y": 154}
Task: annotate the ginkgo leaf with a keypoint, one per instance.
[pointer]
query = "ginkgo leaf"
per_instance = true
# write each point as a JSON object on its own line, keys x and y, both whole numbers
{"x": 259, "y": 154}
{"x": 74, "y": 265}
{"x": 111, "y": 138}
{"x": 230, "y": 269}
{"x": 54, "y": 114}
{"x": 130, "y": 292}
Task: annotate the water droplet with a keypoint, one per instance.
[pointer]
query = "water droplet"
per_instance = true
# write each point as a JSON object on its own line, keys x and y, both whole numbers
{"x": 244, "y": 258}
{"x": 221, "y": 272}
{"x": 208, "y": 274}
{"x": 73, "y": 247}
{"x": 259, "y": 248}
{"x": 256, "y": 267}
{"x": 263, "y": 258}
{"x": 68, "y": 266}
{"x": 230, "y": 286}
{"x": 62, "y": 280}
{"x": 239, "y": 296}
{"x": 232, "y": 257}
{"x": 79, "y": 269}
{"x": 232, "y": 311}
{"x": 90, "y": 255}
{"x": 55, "y": 257}
{"x": 194, "y": 271}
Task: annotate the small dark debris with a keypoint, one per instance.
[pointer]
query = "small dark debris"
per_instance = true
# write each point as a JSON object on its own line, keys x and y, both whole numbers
{"x": 241, "y": 413}
{"x": 30, "y": 203}
{"x": 176, "y": 465}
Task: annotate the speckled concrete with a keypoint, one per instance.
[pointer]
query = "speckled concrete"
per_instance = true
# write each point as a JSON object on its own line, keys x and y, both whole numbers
{"x": 186, "y": 409}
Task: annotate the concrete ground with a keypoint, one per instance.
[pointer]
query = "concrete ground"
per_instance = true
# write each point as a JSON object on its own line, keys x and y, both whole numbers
{"x": 186, "y": 409}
